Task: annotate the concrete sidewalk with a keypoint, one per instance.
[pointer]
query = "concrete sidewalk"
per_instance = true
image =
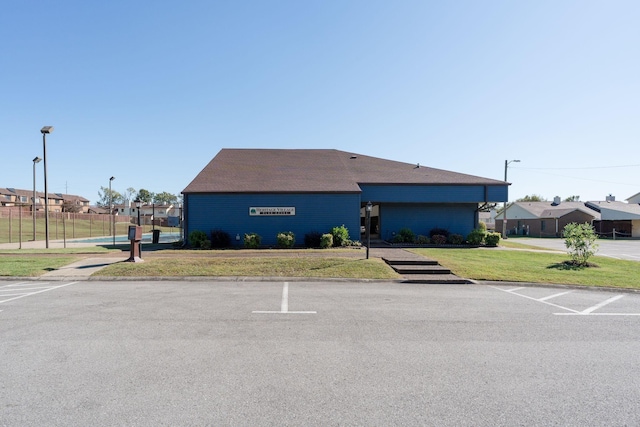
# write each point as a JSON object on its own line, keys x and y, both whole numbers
{"x": 82, "y": 269}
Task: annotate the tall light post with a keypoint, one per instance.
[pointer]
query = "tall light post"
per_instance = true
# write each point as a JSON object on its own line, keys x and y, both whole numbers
{"x": 34, "y": 209}
{"x": 504, "y": 210}
{"x": 46, "y": 130}
{"x": 112, "y": 216}
{"x": 368, "y": 225}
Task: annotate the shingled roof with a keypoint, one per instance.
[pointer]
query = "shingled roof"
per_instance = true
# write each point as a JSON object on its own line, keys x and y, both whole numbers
{"x": 309, "y": 171}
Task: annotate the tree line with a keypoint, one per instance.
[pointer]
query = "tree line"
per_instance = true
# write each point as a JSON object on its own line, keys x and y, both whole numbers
{"x": 106, "y": 196}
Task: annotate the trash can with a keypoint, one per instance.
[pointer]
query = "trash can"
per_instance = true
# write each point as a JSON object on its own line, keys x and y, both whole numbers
{"x": 156, "y": 236}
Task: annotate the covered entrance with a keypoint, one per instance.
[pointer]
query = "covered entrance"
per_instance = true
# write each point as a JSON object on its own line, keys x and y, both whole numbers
{"x": 375, "y": 221}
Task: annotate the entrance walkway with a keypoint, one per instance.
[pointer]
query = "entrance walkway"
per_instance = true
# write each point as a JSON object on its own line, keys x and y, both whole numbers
{"x": 415, "y": 268}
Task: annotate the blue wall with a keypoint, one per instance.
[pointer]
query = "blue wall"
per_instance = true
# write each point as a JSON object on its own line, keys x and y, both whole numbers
{"x": 314, "y": 212}
{"x": 433, "y": 193}
{"x": 421, "y": 218}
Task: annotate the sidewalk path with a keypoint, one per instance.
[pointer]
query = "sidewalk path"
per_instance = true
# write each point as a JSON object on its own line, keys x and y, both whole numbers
{"x": 80, "y": 269}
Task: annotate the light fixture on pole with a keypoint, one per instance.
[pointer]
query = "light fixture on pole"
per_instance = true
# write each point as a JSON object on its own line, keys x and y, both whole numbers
{"x": 138, "y": 203}
{"x": 111, "y": 215}
{"x": 34, "y": 208}
{"x": 504, "y": 210}
{"x": 45, "y": 130}
{"x": 368, "y": 225}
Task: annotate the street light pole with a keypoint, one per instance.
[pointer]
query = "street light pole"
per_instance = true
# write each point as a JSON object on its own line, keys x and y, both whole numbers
{"x": 34, "y": 209}
{"x": 368, "y": 225}
{"x": 45, "y": 130}
{"x": 504, "y": 210}
{"x": 111, "y": 215}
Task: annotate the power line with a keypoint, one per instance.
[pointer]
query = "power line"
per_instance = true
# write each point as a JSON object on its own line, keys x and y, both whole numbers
{"x": 582, "y": 168}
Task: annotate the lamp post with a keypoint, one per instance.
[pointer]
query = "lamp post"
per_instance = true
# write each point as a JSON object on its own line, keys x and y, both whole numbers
{"x": 111, "y": 216}
{"x": 138, "y": 203}
{"x": 368, "y": 225}
{"x": 504, "y": 210}
{"x": 46, "y": 130}
{"x": 33, "y": 210}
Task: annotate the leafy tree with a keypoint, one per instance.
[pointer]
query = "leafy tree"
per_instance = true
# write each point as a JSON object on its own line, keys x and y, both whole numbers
{"x": 165, "y": 197}
{"x": 145, "y": 196}
{"x": 129, "y": 194}
{"x": 71, "y": 207}
{"x": 580, "y": 240}
{"x": 104, "y": 197}
{"x": 532, "y": 198}
{"x": 572, "y": 199}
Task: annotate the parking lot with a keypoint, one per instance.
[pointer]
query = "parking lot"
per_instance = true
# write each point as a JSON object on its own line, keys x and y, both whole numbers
{"x": 316, "y": 353}
{"x": 626, "y": 249}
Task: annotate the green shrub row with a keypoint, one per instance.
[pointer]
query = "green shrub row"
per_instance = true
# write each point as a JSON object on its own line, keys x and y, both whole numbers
{"x": 336, "y": 237}
{"x": 441, "y": 236}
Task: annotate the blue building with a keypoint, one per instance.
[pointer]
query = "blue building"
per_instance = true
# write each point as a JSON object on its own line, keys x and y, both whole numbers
{"x": 270, "y": 191}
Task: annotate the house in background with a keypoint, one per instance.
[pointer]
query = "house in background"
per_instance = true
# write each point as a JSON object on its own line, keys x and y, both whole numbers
{"x": 58, "y": 202}
{"x": 621, "y": 217}
{"x": 635, "y": 199}
{"x": 269, "y": 191}
{"x": 545, "y": 219}
{"x": 150, "y": 213}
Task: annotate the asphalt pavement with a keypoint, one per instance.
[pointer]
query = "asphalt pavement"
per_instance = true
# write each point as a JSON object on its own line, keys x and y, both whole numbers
{"x": 316, "y": 353}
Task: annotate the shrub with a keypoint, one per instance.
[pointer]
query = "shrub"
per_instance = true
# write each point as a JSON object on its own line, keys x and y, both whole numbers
{"x": 206, "y": 244}
{"x": 326, "y": 241}
{"x": 492, "y": 239}
{"x": 441, "y": 231}
{"x": 580, "y": 240}
{"x": 220, "y": 239}
{"x": 476, "y": 237}
{"x": 422, "y": 240}
{"x": 252, "y": 240}
{"x": 197, "y": 238}
{"x": 482, "y": 226}
{"x": 438, "y": 239}
{"x": 455, "y": 239}
{"x": 397, "y": 239}
{"x": 356, "y": 243}
{"x": 286, "y": 239}
{"x": 340, "y": 235}
{"x": 406, "y": 235}
{"x": 312, "y": 239}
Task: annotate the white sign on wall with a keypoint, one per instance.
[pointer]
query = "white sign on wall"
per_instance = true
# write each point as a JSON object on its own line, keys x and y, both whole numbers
{"x": 272, "y": 211}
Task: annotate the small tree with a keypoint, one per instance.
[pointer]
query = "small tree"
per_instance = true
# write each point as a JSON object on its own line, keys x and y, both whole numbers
{"x": 580, "y": 240}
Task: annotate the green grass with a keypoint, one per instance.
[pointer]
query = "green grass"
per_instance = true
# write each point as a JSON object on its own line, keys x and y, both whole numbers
{"x": 58, "y": 251}
{"x": 71, "y": 229}
{"x": 29, "y": 266}
{"x": 510, "y": 243}
{"x": 536, "y": 267}
{"x": 320, "y": 267}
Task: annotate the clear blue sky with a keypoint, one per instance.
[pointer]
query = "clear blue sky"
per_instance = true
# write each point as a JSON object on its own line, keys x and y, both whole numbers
{"x": 149, "y": 92}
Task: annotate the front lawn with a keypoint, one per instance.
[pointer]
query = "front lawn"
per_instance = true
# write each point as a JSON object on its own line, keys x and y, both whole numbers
{"x": 534, "y": 266}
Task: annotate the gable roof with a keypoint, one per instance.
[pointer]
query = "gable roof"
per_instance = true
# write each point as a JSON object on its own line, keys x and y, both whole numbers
{"x": 552, "y": 210}
{"x": 308, "y": 170}
{"x": 611, "y": 210}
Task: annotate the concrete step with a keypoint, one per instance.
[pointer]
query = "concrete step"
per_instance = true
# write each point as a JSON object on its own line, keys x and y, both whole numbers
{"x": 410, "y": 261}
{"x": 436, "y": 279}
{"x": 420, "y": 269}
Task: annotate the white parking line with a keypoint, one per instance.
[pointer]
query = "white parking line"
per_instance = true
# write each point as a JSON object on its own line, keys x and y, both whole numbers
{"x": 588, "y": 312}
{"x": 602, "y": 304}
{"x": 284, "y": 305}
{"x": 37, "y": 292}
{"x": 554, "y": 296}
